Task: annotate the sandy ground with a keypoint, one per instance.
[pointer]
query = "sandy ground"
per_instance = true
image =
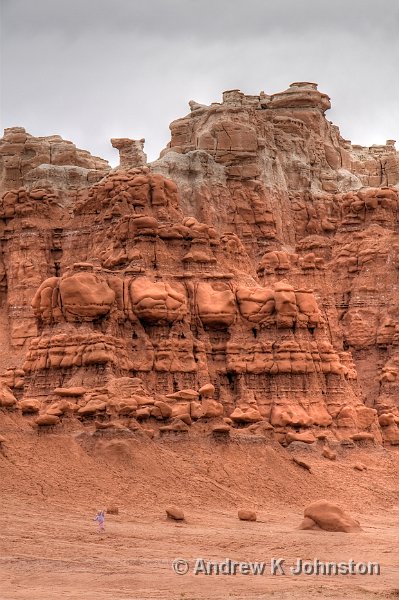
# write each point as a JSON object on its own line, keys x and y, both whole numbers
{"x": 54, "y": 552}
{"x": 51, "y": 486}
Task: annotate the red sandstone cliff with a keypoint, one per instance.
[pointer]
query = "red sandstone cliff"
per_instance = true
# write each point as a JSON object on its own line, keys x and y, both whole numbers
{"x": 247, "y": 278}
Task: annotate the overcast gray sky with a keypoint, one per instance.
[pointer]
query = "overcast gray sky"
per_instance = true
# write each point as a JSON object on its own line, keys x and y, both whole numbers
{"x": 90, "y": 70}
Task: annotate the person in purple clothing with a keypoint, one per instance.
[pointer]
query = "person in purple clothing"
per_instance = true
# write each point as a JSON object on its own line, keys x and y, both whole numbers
{"x": 100, "y": 518}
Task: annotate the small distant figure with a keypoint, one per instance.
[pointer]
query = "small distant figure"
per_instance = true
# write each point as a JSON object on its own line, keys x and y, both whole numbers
{"x": 100, "y": 518}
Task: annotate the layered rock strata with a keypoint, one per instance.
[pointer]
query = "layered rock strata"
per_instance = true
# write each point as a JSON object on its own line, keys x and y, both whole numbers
{"x": 247, "y": 278}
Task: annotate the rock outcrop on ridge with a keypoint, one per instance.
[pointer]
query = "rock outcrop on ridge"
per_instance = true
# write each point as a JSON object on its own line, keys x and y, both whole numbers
{"x": 247, "y": 278}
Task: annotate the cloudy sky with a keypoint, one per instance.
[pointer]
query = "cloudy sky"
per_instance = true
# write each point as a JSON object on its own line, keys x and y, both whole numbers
{"x": 90, "y": 70}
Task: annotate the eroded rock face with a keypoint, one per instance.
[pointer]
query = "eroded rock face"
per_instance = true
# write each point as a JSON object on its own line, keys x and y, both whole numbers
{"x": 25, "y": 159}
{"x": 256, "y": 304}
{"x": 77, "y": 296}
{"x": 157, "y": 302}
{"x": 248, "y": 275}
{"x": 216, "y": 307}
{"x": 131, "y": 153}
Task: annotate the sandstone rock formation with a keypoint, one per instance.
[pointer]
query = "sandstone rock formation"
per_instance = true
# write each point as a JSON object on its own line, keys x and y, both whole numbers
{"x": 328, "y": 516}
{"x": 238, "y": 277}
{"x": 35, "y": 162}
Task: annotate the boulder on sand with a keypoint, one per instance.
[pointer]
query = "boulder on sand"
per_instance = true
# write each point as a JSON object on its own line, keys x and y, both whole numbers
{"x": 175, "y": 513}
{"x": 330, "y": 517}
{"x": 247, "y": 515}
{"x": 112, "y": 510}
{"x": 360, "y": 467}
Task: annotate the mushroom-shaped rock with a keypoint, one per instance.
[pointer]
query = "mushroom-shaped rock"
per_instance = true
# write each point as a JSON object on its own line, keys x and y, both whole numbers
{"x": 246, "y": 515}
{"x": 300, "y": 94}
{"x": 85, "y": 296}
{"x": 328, "y": 516}
{"x": 158, "y": 301}
{"x": 131, "y": 153}
{"x": 176, "y": 514}
{"x": 216, "y": 308}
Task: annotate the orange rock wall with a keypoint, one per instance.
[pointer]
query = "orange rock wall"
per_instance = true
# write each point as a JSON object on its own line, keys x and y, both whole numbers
{"x": 250, "y": 274}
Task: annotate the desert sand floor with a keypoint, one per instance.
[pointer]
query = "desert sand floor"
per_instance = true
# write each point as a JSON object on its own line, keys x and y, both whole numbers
{"x": 52, "y": 484}
{"x": 55, "y": 552}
